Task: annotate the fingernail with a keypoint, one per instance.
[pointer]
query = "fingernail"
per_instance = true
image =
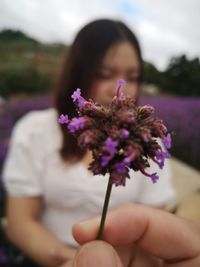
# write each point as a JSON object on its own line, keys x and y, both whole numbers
{"x": 87, "y": 225}
{"x": 88, "y": 222}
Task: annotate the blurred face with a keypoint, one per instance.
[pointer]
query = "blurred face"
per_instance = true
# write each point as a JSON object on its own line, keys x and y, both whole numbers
{"x": 120, "y": 62}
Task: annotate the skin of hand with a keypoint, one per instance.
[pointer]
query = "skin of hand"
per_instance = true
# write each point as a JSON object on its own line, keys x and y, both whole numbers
{"x": 138, "y": 236}
{"x": 63, "y": 255}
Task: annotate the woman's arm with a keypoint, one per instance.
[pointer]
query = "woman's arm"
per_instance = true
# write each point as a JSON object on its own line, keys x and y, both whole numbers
{"x": 27, "y": 233}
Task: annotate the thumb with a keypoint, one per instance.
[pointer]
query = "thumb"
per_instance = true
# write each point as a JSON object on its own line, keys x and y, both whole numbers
{"x": 97, "y": 254}
{"x": 62, "y": 254}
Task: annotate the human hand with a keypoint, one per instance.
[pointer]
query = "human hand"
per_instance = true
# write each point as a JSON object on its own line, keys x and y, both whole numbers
{"x": 138, "y": 236}
{"x": 63, "y": 255}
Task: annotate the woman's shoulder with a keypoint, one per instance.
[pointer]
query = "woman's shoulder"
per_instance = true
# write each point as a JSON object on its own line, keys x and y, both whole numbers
{"x": 38, "y": 116}
{"x": 36, "y": 123}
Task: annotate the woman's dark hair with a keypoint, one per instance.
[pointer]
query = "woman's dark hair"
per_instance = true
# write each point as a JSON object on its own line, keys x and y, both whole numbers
{"x": 79, "y": 70}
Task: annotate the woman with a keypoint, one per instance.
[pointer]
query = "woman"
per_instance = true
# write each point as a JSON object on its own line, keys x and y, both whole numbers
{"x": 46, "y": 177}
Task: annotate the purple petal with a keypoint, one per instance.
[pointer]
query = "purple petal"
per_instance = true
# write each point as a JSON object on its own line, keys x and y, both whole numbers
{"x": 121, "y": 167}
{"x": 81, "y": 102}
{"x": 76, "y": 124}
{"x": 161, "y": 156}
{"x": 110, "y": 146}
{"x": 121, "y": 82}
{"x": 63, "y": 119}
{"x": 124, "y": 133}
{"x": 167, "y": 140}
{"x": 76, "y": 94}
{"x": 127, "y": 160}
{"x": 154, "y": 177}
{"x": 105, "y": 160}
{"x": 119, "y": 85}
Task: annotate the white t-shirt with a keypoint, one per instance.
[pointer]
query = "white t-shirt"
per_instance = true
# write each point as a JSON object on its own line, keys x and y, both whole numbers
{"x": 71, "y": 193}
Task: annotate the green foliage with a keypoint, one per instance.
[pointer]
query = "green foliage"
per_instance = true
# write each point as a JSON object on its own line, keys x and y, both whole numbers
{"x": 23, "y": 78}
{"x": 11, "y": 35}
{"x": 182, "y": 76}
{"x": 27, "y": 66}
{"x": 16, "y": 40}
{"x": 152, "y": 75}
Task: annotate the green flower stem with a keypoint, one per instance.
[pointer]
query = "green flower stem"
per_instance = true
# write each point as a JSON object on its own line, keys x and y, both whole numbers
{"x": 105, "y": 207}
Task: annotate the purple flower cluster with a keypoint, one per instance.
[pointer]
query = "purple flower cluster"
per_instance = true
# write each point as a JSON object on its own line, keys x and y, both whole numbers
{"x": 121, "y": 137}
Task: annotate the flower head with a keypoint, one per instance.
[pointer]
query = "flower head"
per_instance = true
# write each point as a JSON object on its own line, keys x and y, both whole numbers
{"x": 121, "y": 137}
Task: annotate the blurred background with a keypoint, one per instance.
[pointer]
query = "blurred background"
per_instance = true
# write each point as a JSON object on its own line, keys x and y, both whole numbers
{"x": 35, "y": 35}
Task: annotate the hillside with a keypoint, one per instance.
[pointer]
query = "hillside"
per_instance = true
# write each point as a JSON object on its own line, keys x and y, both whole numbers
{"x": 26, "y": 65}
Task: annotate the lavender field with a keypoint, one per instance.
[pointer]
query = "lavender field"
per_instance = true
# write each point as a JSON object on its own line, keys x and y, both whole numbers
{"x": 182, "y": 117}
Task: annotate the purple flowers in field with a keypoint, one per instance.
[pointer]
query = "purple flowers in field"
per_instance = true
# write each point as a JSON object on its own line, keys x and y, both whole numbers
{"x": 182, "y": 117}
{"x": 125, "y": 135}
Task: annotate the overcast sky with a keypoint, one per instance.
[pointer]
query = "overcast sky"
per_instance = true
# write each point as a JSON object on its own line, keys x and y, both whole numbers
{"x": 165, "y": 28}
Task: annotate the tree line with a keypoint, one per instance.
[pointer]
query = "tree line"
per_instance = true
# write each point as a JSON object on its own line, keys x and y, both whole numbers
{"x": 181, "y": 77}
